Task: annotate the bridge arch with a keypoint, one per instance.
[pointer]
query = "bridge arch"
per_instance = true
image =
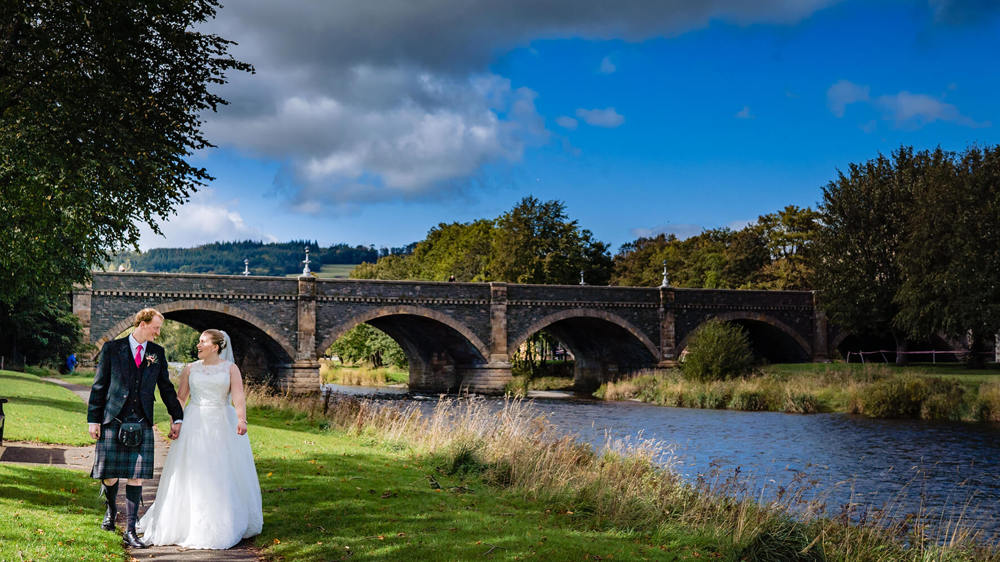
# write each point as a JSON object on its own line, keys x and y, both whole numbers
{"x": 585, "y": 313}
{"x": 745, "y": 318}
{"x": 605, "y": 346}
{"x": 342, "y": 327}
{"x": 169, "y": 308}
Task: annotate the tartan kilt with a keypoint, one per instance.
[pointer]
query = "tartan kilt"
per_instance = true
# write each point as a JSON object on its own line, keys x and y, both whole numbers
{"x": 114, "y": 460}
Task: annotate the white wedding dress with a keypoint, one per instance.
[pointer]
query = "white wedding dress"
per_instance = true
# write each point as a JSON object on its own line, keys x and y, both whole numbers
{"x": 209, "y": 495}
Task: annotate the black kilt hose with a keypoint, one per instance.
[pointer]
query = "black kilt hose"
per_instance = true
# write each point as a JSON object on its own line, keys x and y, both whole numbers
{"x": 114, "y": 460}
{"x": 121, "y": 388}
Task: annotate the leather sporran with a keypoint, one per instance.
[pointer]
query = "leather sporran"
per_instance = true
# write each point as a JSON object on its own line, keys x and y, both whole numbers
{"x": 130, "y": 434}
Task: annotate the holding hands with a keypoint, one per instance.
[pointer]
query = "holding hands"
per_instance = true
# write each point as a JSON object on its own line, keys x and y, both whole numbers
{"x": 175, "y": 431}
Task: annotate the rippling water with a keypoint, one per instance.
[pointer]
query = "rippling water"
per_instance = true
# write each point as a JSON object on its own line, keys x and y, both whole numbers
{"x": 943, "y": 467}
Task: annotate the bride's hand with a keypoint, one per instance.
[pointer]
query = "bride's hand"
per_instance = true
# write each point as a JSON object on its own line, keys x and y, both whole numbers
{"x": 241, "y": 427}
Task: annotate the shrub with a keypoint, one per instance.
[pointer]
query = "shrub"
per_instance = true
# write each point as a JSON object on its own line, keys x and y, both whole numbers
{"x": 988, "y": 403}
{"x": 717, "y": 350}
{"x": 911, "y": 397}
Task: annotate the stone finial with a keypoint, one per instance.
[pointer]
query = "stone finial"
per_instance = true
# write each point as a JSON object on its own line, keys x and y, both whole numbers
{"x": 306, "y": 262}
{"x": 665, "y": 283}
{"x": 246, "y": 266}
{"x": 581, "y": 278}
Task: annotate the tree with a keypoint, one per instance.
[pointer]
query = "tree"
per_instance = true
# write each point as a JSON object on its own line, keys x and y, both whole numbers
{"x": 951, "y": 258}
{"x": 535, "y": 242}
{"x": 859, "y": 247}
{"x": 788, "y": 235}
{"x": 100, "y": 107}
{"x": 368, "y": 344}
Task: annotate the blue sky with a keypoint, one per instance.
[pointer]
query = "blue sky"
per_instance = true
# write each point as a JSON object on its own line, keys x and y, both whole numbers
{"x": 371, "y": 124}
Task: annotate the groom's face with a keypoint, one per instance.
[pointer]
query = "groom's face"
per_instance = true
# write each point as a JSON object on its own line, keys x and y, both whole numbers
{"x": 149, "y": 331}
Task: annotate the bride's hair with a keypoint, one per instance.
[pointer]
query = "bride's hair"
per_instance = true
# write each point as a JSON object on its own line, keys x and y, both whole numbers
{"x": 217, "y": 337}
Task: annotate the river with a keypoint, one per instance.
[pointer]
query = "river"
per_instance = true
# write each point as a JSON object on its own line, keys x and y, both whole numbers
{"x": 948, "y": 469}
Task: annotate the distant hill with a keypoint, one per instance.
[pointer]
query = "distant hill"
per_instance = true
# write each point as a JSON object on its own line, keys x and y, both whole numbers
{"x": 226, "y": 258}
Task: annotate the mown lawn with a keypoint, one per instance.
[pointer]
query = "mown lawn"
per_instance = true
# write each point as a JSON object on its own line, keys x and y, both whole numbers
{"x": 41, "y": 411}
{"x": 52, "y": 514}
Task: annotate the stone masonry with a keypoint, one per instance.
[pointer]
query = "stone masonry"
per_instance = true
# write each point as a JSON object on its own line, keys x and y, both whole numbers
{"x": 457, "y": 336}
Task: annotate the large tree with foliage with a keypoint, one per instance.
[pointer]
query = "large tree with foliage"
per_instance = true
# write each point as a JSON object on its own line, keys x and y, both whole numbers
{"x": 865, "y": 217}
{"x": 100, "y": 109}
{"x": 535, "y": 242}
{"x": 950, "y": 258}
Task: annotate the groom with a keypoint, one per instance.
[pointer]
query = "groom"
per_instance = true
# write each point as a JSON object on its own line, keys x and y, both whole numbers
{"x": 129, "y": 369}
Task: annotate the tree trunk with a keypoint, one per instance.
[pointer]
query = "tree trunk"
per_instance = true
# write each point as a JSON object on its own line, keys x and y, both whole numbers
{"x": 976, "y": 359}
{"x": 902, "y": 346}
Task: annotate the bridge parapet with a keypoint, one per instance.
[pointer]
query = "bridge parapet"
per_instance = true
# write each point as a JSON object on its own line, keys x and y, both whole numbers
{"x": 456, "y": 335}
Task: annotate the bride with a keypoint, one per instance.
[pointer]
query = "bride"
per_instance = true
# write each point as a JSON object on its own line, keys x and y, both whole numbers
{"x": 209, "y": 495}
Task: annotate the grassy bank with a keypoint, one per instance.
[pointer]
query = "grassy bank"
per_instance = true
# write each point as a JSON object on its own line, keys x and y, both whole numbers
{"x": 876, "y": 390}
{"x": 521, "y": 384}
{"x": 468, "y": 482}
{"x": 360, "y": 375}
{"x": 369, "y": 482}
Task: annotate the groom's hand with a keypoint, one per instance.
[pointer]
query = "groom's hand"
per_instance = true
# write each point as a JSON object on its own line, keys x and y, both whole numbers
{"x": 175, "y": 431}
{"x": 94, "y": 429}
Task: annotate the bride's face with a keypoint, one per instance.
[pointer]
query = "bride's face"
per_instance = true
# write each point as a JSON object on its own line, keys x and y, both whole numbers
{"x": 207, "y": 349}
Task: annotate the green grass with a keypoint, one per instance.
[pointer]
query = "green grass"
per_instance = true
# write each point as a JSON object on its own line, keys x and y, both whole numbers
{"x": 42, "y": 411}
{"x": 52, "y": 513}
{"x": 332, "y": 271}
{"x": 378, "y": 504}
{"x": 359, "y": 375}
{"x": 944, "y": 392}
{"x": 521, "y": 383}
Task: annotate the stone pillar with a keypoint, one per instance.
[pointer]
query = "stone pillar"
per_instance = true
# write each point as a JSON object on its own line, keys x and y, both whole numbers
{"x": 498, "y": 322}
{"x": 82, "y": 296}
{"x": 820, "y": 343}
{"x": 668, "y": 334}
{"x": 302, "y": 376}
{"x": 492, "y": 377}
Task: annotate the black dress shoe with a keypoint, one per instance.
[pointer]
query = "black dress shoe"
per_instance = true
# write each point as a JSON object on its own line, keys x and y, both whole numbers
{"x": 131, "y": 539}
{"x": 109, "y": 520}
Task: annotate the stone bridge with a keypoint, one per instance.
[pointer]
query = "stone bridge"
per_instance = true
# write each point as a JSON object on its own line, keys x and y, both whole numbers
{"x": 456, "y": 336}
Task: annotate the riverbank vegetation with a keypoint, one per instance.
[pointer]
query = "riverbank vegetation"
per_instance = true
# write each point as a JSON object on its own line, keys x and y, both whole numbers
{"x": 874, "y": 390}
{"x": 361, "y": 375}
{"x": 469, "y": 478}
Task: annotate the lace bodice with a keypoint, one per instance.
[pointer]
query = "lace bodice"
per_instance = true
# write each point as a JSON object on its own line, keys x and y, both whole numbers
{"x": 209, "y": 384}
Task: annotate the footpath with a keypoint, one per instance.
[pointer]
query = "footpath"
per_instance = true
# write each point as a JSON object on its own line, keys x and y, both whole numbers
{"x": 82, "y": 458}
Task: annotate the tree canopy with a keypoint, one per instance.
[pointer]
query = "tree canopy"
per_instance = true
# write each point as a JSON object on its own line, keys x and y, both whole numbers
{"x": 534, "y": 242}
{"x": 772, "y": 253}
{"x": 100, "y": 109}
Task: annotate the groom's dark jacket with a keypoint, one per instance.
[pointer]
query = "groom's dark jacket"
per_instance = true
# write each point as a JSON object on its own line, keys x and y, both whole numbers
{"x": 113, "y": 378}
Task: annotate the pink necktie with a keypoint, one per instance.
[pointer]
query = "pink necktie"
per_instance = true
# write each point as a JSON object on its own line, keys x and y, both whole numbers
{"x": 138, "y": 355}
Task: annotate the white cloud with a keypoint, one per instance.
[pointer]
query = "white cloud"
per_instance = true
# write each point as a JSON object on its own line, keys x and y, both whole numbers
{"x": 201, "y": 220}
{"x": 607, "y": 117}
{"x": 374, "y": 101}
{"x": 915, "y": 110}
{"x": 681, "y": 231}
{"x": 904, "y": 109}
{"x": 744, "y": 113}
{"x": 844, "y": 93}
{"x": 607, "y": 67}
{"x": 566, "y": 122}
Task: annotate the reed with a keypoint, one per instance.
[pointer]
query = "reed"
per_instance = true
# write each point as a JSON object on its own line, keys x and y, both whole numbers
{"x": 871, "y": 390}
{"x": 630, "y": 485}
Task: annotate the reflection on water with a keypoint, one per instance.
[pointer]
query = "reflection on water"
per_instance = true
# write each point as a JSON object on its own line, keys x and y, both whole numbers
{"x": 945, "y": 466}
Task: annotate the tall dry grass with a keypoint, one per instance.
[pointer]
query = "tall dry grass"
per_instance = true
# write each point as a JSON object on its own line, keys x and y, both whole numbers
{"x": 630, "y": 485}
{"x": 874, "y": 390}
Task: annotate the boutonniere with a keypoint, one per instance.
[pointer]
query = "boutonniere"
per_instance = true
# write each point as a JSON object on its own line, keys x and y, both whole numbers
{"x": 150, "y": 360}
